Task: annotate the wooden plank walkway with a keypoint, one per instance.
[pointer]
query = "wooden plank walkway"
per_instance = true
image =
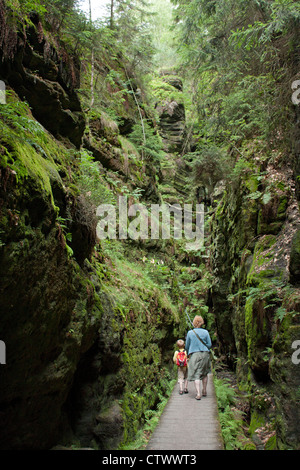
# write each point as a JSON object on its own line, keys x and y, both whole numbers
{"x": 187, "y": 423}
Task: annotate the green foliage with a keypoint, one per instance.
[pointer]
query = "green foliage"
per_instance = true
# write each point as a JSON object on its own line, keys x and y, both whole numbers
{"x": 231, "y": 420}
{"x": 64, "y": 232}
{"x": 22, "y": 8}
{"x": 152, "y": 417}
{"x": 209, "y": 164}
{"x": 159, "y": 272}
{"x": 147, "y": 141}
{"x": 165, "y": 55}
{"x": 280, "y": 313}
{"x": 283, "y": 16}
{"x": 126, "y": 33}
{"x": 234, "y": 51}
{"x": 17, "y": 115}
{"x": 91, "y": 182}
{"x": 163, "y": 91}
{"x": 28, "y": 150}
{"x": 225, "y": 394}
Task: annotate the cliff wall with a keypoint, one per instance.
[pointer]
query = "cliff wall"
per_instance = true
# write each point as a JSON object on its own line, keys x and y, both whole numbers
{"x": 88, "y": 334}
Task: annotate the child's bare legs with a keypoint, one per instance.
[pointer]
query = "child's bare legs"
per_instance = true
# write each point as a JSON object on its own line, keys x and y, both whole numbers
{"x": 186, "y": 386}
{"x": 180, "y": 381}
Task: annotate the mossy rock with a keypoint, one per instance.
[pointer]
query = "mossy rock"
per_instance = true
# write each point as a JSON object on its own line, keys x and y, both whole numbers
{"x": 272, "y": 215}
{"x": 262, "y": 264}
{"x": 294, "y": 266}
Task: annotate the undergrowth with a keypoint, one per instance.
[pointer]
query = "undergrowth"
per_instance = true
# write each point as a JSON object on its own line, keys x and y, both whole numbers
{"x": 231, "y": 419}
{"x": 151, "y": 421}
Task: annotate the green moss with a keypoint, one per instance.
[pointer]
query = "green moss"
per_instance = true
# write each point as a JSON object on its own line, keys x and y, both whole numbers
{"x": 251, "y": 182}
{"x": 30, "y": 164}
{"x": 282, "y": 207}
{"x": 257, "y": 421}
{"x": 145, "y": 318}
{"x": 249, "y": 445}
{"x": 295, "y": 258}
{"x": 163, "y": 91}
{"x": 272, "y": 215}
{"x": 271, "y": 443}
{"x": 30, "y": 152}
{"x": 262, "y": 257}
{"x": 249, "y": 327}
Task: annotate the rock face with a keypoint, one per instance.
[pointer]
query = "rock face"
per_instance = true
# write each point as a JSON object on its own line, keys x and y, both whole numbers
{"x": 39, "y": 74}
{"x": 255, "y": 256}
{"x": 294, "y": 266}
{"x": 171, "y": 114}
{"x": 39, "y": 296}
{"x": 172, "y": 124}
{"x": 88, "y": 337}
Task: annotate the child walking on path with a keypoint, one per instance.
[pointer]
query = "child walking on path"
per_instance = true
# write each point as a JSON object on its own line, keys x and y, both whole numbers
{"x": 180, "y": 359}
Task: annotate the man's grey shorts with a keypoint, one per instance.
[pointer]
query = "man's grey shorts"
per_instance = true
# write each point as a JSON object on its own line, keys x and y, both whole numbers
{"x": 199, "y": 365}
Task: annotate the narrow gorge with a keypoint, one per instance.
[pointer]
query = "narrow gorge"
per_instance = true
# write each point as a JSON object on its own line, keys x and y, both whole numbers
{"x": 90, "y": 325}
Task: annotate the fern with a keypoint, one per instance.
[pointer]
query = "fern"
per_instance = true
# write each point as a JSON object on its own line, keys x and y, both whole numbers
{"x": 91, "y": 182}
{"x": 230, "y": 419}
{"x": 147, "y": 142}
{"x": 280, "y": 313}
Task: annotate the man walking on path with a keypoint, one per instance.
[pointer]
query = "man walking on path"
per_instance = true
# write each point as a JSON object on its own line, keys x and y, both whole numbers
{"x": 198, "y": 344}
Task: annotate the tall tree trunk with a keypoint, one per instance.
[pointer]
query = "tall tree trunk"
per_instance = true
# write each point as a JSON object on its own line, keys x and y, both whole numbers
{"x": 92, "y": 79}
{"x": 112, "y": 5}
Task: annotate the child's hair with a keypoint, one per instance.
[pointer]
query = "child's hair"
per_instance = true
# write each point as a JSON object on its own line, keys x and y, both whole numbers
{"x": 180, "y": 343}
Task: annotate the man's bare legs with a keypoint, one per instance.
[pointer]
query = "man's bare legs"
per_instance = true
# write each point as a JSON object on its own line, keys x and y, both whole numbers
{"x": 197, "y": 386}
{"x": 204, "y": 385}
